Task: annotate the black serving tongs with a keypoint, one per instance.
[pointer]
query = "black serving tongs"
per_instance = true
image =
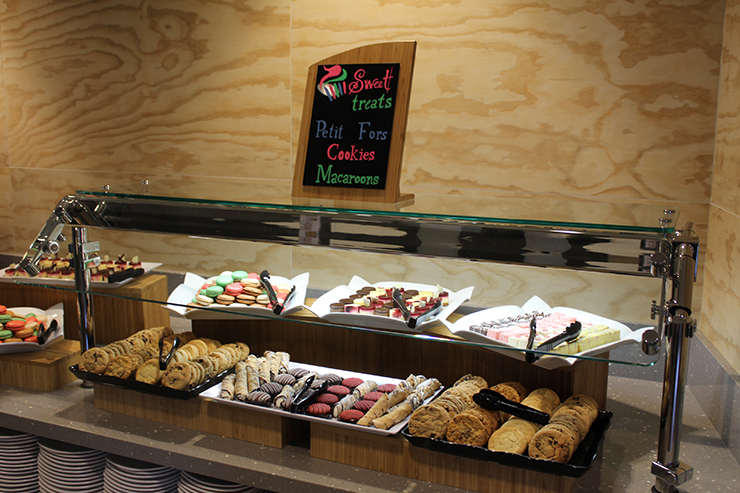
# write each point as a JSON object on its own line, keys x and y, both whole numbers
{"x": 125, "y": 274}
{"x": 306, "y": 396}
{"x": 47, "y": 331}
{"x": 411, "y": 321}
{"x": 531, "y": 357}
{"x": 165, "y": 361}
{"x": 570, "y": 333}
{"x": 414, "y": 322}
{"x": 492, "y": 400}
{"x": 277, "y": 308}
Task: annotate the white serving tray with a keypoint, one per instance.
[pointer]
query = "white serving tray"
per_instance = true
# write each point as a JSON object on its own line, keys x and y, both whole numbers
{"x": 56, "y": 312}
{"x": 185, "y": 292}
{"x": 461, "y": 328}
{"x": 321, "y": 307}
{"x": 47, "y": 281}
{"x": 215, "y": 391}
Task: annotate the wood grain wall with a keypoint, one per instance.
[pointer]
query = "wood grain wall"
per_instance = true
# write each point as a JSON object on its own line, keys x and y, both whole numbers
{"x": 613, "y": 100}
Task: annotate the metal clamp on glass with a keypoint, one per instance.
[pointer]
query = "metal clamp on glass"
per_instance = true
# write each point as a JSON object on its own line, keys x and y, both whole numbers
{"x": 671, "y": 476}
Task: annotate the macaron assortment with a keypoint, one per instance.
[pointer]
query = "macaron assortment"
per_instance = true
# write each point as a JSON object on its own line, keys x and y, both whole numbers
{"x": 16, "y": 327}
{"x": 237, "y": 288}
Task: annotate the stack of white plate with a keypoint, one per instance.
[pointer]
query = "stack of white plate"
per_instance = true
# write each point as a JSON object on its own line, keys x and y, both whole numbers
{"x": 18, "y": 452}
{"x": 195, "y": 483}
{"x": 67, "y": 468}
{"x": 124, "y": 475}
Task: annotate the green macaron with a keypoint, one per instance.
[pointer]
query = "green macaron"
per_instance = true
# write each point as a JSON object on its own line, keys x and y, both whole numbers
{"x": 213, "y": 291}
{"x": 224, "y": 280}
{"x": 5, "y": 334}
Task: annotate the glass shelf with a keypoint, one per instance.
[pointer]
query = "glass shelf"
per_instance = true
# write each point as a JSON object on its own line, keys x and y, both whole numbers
{"x": 602, "y": 238}
{"x": 555, "y": 212}
{"x": 626, "y": 354}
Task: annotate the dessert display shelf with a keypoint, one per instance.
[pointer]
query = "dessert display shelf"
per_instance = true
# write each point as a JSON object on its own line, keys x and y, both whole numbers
{"x": 621, "y": 249}
{"x": 656, "y": 251}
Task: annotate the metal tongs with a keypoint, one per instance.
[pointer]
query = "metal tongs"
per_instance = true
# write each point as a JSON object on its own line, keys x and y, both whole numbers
{"x": 165, "y": 361}
{"x": 570, "y": 333}
{"x": 306, "y": 396}
{"x": 411, "y": 321}
{"x": 125, "y": 274}
{"x": 277, "y": 308}
{"x": 490, "y": 399}
{"x": 45, "y": 332}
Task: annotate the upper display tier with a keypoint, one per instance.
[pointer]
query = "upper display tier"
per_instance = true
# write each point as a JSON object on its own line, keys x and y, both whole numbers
{"x": 558, "y": 212}
{"x": 547, "y": 234}
{"x": 556, "y": 234}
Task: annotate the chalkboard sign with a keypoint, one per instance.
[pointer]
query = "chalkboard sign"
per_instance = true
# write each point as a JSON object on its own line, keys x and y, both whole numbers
{"x": 351, "y": 126}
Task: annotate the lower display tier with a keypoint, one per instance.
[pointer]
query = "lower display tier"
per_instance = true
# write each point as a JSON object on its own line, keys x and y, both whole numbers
{"x": 69, "y": 415}
{"x": 308, "y": 461}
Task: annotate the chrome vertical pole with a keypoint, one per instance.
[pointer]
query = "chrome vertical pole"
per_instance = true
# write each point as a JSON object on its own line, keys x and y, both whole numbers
{"x": 679, "y": 328}
{"x": 84, "y": 295}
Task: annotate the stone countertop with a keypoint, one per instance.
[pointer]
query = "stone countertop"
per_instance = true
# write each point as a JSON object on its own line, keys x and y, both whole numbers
{"x": 69, "y": 415}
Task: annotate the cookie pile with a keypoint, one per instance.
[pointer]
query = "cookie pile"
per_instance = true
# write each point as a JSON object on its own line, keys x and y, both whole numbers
{"x": 143, "y": 344}
{"x": 137, "y": 357}
{"x": 16, "y": 327}
{"x": 268, "y": 381}
{"x": 454, "y": 417}
{"x": 194, "y": 363}
{"x": 569, "y": 424}
{"x": 433, "y": 420}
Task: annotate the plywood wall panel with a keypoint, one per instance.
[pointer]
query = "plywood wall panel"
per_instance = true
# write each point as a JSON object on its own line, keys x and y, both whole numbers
{"x": 186, "y": 87}
{"x": 582, "y": 99}
{"x": 611, "y": 100}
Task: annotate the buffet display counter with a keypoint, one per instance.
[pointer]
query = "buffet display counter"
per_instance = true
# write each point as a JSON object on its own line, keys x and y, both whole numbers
{"x": 647, "y": 250}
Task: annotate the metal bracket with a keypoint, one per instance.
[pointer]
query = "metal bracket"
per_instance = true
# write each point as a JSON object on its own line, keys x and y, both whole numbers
{"x": 86, "y": 249}
{"x": 673, "y": 476}
{"x": 91, "y": 247}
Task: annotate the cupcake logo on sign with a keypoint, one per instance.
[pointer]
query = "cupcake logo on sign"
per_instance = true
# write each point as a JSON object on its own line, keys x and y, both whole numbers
{"x": 351, "y": 124}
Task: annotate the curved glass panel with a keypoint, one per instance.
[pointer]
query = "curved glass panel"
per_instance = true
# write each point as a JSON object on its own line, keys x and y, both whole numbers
{"x": 626, "y": 216}
{"x": 626, "y": 352}
{"x": 524, "y": 234}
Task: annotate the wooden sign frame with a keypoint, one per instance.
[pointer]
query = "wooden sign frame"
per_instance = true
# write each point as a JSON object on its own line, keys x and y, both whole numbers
{"x": 400, "y": 52}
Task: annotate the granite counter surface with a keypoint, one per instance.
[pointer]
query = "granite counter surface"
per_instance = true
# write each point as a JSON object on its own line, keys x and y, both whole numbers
{"x": 69, "y": 415}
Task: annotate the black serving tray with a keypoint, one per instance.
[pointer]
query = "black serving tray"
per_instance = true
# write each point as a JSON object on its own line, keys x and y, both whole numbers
{"x": 147, "y": 388}
{"x": 579, "y": 464}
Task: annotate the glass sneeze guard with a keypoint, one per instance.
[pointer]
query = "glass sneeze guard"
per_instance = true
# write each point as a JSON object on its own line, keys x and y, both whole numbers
{"x": 609, "y": 248}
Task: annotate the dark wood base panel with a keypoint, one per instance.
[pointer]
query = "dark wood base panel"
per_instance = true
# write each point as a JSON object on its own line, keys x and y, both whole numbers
{"x": 395, "y": 455}
{"x": 240, "y": 423}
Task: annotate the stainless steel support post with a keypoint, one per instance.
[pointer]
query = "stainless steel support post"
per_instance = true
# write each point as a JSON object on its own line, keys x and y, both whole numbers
{"x": 679, "y": 329}
{"x": 84, "y": 296}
